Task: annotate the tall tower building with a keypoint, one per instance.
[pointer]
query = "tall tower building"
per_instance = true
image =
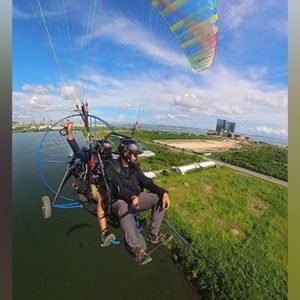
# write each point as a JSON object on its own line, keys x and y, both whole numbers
{"x": 230, "y": 126}
{"x": 220, "y": 125}
{"x": 224, "y": 126}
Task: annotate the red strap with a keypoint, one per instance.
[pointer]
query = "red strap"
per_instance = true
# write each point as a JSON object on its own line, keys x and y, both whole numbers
{"x": 92, "y": 162}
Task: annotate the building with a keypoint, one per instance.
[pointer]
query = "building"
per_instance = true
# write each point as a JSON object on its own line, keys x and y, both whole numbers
{"x": 230, "y": 127}
{"x": 202, "y": 165}
{"x": 211, "y": 132}
{"x": 220, "y": 125}
{"x": 150, "y": 174}
{"x": 224, "y": 127}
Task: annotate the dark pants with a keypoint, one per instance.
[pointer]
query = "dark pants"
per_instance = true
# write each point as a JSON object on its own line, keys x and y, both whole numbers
{"x": 126, "y": 214}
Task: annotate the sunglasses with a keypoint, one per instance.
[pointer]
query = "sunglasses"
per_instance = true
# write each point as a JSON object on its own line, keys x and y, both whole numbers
{"x": 134, "y": 154}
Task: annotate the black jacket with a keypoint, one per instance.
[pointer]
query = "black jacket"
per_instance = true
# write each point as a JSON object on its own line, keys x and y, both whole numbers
{"x": 128, "y": 182}
{"x": 85, "y": 155}
{"x": 82, "y": 153}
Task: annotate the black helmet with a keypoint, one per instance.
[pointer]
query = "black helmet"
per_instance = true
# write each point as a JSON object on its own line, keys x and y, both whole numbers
{"x": 130, "y": 145}
{"x": 103, "y": 144}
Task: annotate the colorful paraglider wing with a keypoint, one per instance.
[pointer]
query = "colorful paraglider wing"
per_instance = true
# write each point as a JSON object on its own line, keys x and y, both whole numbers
{"x": 194, "y": 24}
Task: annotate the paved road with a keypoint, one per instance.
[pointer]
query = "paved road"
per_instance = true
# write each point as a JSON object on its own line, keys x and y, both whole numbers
{"x": 256, "y": 174}
{"x": 239, "y": 169}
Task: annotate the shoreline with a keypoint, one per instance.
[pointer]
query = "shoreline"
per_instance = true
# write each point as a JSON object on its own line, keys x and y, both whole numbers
{"x": 261, "y": 139}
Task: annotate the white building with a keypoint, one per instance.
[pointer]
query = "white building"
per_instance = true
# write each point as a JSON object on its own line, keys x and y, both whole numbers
{"x": 183, "y": 169}
{"x": 147, "y": 153}
{"x": 150, "y": 175}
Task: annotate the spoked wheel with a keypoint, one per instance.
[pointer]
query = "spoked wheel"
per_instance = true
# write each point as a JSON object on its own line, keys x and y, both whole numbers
{"x": 46, "y": 207}
{"x": 55, "y": 153}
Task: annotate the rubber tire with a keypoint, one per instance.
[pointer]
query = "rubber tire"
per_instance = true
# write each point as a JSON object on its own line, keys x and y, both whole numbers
{"x": 46, "y": 207}
{"x": 142, "y": 240}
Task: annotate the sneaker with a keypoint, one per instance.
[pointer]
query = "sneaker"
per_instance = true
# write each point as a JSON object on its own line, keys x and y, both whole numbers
{"x": 159, "y": 238}
{"x": 141, "y": 256}
{"x": 106, "y": 239}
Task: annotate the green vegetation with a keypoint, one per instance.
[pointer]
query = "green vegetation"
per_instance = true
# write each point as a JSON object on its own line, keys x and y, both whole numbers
{"x": 26, "y": 129}
{"x": 265, "y": 159}
{"x": 239, "y": 224}
{"x": 150, "y": 135}
{"x": 165, "y": 158}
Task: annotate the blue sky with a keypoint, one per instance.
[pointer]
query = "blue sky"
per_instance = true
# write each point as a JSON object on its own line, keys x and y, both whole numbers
{"x": 125, "y": 61}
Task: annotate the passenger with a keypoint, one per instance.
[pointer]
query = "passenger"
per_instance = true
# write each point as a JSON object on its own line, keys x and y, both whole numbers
{"x": 103, "y": 147}
{"x": 127, "y": 181}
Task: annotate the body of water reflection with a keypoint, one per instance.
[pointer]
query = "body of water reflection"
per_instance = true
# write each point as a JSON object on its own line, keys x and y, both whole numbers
{"x": 61, "y": 258}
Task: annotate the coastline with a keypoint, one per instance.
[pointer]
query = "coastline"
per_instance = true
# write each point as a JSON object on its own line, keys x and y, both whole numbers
{"x": 189, "y": 130}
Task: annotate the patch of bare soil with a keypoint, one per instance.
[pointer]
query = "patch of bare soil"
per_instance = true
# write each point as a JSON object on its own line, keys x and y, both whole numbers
{"x": 172, "y": 188}
{"x": 207, "y": 188}
{"x": 221, "y": 223}
{"x": 204, "y": 145}
{"x": 257, "y": 207}
{"x": 235, "y": 231}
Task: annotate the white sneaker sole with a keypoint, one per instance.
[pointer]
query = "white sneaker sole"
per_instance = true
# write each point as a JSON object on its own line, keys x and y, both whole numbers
{"x": 107, "y": 241}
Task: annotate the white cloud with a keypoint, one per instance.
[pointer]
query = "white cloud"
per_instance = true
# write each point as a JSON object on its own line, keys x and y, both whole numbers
{"x": 113, "y": 26}
{"x": 121, "y": 117}
{"x": 238, "y": 11}
{"x": 253, "y": 13}
{"x": 172, "y": 117}
{"x": 167, "y": 116}
{"x": 19, "y": 14}
{"x": 20, "y": 102}
{"x": 280, "y": 25}
{"x": 182, "y": 97}
{"x": 35, "y": 107}
{"x": 126, "y": 106}
{"x": 272, "y": 98}
{"x": 230, "y": 110}
{"x": 227, "y": 95}
{"x": 35, "y": 89}
{"x": 40, "y": 103}
{"x": 258, "y": 73}
{"x": 34, "y": 12}
{"x": 69, "y": 92}
{"x": 190, "y": 101}
{"x": 52, "y": 88}
{"x": 271, "y": 131}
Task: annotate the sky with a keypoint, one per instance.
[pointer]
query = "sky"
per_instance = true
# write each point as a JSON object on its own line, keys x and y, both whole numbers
{"x": 122, "y": 58}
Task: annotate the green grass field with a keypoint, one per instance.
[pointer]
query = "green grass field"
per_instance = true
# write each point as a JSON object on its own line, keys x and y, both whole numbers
{"x": 166, "y": 158}
{"x": 148, "y": 135}
{"x": 264, "y": 158}
{"x": 239, "y": 224}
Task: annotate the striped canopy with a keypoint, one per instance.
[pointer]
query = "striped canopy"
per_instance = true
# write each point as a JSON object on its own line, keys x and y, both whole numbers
{"x": 194, "y": 24}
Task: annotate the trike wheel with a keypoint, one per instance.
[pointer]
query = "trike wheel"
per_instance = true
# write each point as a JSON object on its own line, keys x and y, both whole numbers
{"x": 46, "y": 207}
